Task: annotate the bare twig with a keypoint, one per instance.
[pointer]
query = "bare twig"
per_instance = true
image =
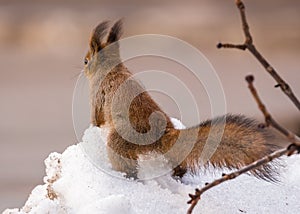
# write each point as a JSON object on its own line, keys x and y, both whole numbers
{"x": 226, "y": 177}
{"x": 268, "y": 118}
{"x": 248, "y": 44}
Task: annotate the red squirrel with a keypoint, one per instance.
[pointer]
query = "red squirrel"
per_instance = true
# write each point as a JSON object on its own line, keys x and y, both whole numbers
{"x": 120, "y": 103}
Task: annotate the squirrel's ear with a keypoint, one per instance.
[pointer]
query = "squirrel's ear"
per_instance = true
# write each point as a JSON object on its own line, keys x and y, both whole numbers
{"x": 115, "y": 32}
{"x": 97, "y": 35}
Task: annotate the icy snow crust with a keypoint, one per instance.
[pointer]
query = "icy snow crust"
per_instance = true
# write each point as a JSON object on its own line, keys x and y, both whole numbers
{"x": 74, "y": 184}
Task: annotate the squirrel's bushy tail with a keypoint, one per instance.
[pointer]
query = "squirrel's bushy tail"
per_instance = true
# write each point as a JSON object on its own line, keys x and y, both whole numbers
{"x": 232, "y": 141}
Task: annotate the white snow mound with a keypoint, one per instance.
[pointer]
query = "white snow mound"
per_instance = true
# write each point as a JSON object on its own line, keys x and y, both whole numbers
{"x": 74, "y": 183}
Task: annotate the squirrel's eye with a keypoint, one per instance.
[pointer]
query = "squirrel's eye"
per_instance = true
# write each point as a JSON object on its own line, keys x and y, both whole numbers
{"x": 86, "y": 61}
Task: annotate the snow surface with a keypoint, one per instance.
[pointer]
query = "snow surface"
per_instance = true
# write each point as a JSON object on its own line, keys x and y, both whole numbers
{"x": 74, "y": 183}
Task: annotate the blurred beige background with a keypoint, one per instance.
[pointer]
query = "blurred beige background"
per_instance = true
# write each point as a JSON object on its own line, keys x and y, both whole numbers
{"x": 42, "y": 48}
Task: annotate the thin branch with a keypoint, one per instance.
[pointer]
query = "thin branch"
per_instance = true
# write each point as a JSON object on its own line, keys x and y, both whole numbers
{"x": 226, "y": 177}
{"x": 248, "y": 44}
{"x": 227, "y": 45}
{"x": 268, "y": 118}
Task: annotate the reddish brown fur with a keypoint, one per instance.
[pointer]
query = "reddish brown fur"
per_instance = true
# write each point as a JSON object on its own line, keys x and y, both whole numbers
{"x": 242, "y": 141}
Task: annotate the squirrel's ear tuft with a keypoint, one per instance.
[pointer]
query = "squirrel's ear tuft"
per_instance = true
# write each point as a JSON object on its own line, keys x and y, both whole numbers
{"x": 115, "y": 32}
{"x": 97, "y": 35}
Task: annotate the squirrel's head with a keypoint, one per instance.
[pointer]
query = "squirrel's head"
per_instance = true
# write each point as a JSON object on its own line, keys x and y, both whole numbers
{"x": 103, "y": 52}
